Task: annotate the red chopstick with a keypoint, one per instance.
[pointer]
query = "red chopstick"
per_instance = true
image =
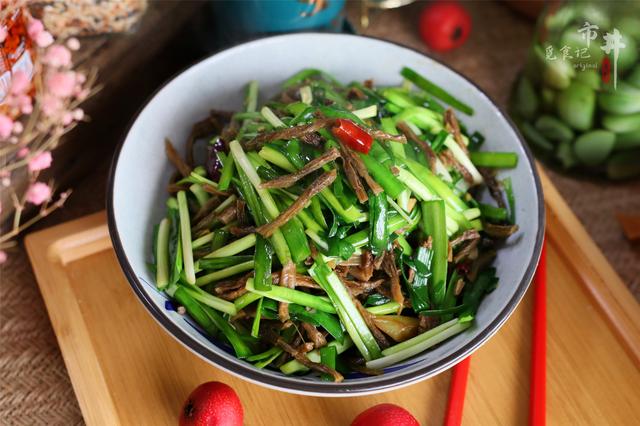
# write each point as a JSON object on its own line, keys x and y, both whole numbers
{"x": 457, "y": 389}
{"x": 538, "y": 383}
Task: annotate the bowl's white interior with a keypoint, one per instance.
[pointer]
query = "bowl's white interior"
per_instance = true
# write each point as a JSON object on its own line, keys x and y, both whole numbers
{"x": 142, "y": 170}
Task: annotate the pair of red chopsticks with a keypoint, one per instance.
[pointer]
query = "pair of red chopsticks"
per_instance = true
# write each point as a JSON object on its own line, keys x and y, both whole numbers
{"x": 537, "y": 387}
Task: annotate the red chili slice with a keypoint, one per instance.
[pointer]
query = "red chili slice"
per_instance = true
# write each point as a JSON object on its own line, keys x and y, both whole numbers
{"x": 352, "y": 136}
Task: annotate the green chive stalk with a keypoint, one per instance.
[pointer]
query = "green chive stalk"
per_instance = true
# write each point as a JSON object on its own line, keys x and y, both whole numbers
{"x": 195, "y": 310}
{"x": 328, "y": 355}
{"x": 217, "y": 263}
{"x": 493, "y": 213}
{"x": 245, "y": 300}
{"x": 288, "y": 295}
{"x": 227, "y": 174}
{"x": 262, "y": 262}
{"x": 270, "y": 359}
{"x": 226, "y": 203}
{"x": 264, "y": 355}
{"x": 435, "y": 90}
{"x": 200, "y": 194}
{"x": 162, "y": 254}
{"x": 395, "y": 223}
{"x": 399, "y": 97}
{"x": 511, "y": 199}
{"x": 434, "y": 221}
{"x": 503, "y": 160}
{"x": 378, "y": 235}
{"x": 419, "y": 118}
{"x": 436, "y": 185}
{"x": 202, "y": 241}
{"x": 273, "y": 119}
{"x": 271, "y": 209}
{"x": 419, "y": 338}
{"x": 306, "y": 95}
{"x": 367, "y": 112}
{"x": 241, "y": 349}
{"x": 346, "y": 309}
{"x": 185, "y": 234}
{"x": 224, "y": 273}
{"x": 391, "y": 185}
{"x": 255, "y": 326}
{"x": 462, "y": 158}
{"x": 385, "y": 308}
{"x": 235, "y": 247}
{"x": 274, "y": 156}
{"x": 251, "y": 98}
{"x": 419, "y": 345}
{"x": 472, "y": 213}
{"x": 211, "y": 300}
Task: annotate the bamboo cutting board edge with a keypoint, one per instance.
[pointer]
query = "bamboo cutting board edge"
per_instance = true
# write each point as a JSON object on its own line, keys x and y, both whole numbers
{"x": 606, "y": 290}
{"x": 69, "y": 325}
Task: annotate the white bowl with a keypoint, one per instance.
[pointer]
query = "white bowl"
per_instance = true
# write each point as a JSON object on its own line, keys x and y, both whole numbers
{"x": 140, "y": 171}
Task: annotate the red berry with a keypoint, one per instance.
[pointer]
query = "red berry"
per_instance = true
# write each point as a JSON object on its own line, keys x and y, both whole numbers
{"x": 444, "y": 25}
{"x": 385, "y": 415}
{"x": 212, "y": 404}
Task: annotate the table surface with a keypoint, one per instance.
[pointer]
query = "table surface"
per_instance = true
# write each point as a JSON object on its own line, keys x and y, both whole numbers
{"x": 36, "y": 389}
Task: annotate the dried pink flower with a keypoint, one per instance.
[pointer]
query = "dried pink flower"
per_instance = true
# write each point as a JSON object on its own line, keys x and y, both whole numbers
{"x": 78, "y": 114}
{"x": 6, "y": 125}
{"x": 17, "y": 127}
{"x": 67, "y": 118}
{"x": 26, "y": 108}
{"x": 38, "y": 193}
{"x": 3, "y": 34}
{"x": 34, "y": 28}
{"x": 23, "y": 152}
{"x": 19, "y": 82}
{"x": 61, "y": 83}
{"x": 40, "y": 162}
{"x": 57, "y": 56}
{"x": 3, "y": 256}
{"x": 50, "y": 105}
{"x": 44, "y": 39}
{"x": 73, "y": 43}
{"x": 21, "y": 102}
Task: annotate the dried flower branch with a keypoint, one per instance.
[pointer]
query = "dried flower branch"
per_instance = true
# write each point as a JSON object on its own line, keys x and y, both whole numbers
{"x": 40, "y": 105}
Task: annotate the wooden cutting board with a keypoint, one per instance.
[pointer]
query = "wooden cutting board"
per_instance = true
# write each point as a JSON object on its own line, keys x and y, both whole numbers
{"x": 126, "y": 370}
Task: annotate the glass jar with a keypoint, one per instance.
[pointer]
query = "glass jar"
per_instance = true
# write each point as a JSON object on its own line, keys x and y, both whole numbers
{"x": 577, "y": 101}
{"x": 16, "y": 52}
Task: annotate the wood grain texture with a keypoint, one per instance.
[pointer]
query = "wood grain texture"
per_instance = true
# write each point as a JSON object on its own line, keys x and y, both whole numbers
{"x": 126, "y": 370}
{"x": 599, "y": 280}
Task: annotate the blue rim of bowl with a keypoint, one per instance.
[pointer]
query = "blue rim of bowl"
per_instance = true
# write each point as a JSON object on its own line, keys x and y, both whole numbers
{"x": 248, "y": 372}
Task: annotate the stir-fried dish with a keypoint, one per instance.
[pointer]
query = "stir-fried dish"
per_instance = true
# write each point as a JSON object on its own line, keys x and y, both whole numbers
{"x": 337, "y": 228}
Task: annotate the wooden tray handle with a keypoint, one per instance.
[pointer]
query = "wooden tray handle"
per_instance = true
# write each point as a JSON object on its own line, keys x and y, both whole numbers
{"x": 79, "y": 245}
